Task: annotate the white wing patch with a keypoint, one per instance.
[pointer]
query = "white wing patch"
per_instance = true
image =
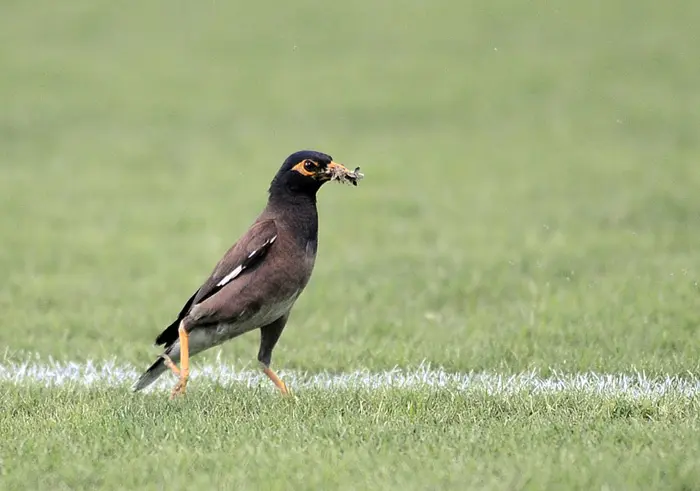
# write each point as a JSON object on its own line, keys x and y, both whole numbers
{"x": 241, "y": 267}
{"x": 230, "y": 276}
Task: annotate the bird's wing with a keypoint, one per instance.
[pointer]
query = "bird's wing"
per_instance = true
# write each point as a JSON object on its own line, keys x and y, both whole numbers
{"x": 244, "y": 255}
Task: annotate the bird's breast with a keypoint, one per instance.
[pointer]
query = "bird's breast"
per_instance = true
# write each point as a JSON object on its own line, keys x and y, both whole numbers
{"x": 310, "y": 255}
{"x": 275, "y": 310}
{"x": 311, "y": 247}
{"x": 265, "y": 315}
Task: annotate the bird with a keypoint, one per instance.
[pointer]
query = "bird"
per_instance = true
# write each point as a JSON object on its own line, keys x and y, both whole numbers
{"x": 260, "y": 277}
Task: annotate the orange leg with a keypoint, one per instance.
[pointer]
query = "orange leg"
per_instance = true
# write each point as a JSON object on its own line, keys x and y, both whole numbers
{"x": 170, "y": 364}
{"x": 181, "y": 386}
{"x": 276, "y": 380}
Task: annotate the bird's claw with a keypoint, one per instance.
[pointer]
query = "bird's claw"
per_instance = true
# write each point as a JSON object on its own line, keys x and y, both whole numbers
{"x": 284, "y": 390}
{"x": 170, "y": 364}
{"x": 179, "y": 390}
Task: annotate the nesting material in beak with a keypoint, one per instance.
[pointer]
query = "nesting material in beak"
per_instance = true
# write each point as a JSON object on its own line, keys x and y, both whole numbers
{"x": 338, "y": 172}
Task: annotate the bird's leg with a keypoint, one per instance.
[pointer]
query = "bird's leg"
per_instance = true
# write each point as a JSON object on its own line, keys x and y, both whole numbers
{"x": 269, "y": 335}
{"x": 276, "y": 380}
{"x": 170, "y": 364}
{"x": 181, "y": 386}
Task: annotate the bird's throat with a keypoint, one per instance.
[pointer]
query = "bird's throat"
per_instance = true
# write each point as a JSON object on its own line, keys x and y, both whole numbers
{"x": 299, "y": 213}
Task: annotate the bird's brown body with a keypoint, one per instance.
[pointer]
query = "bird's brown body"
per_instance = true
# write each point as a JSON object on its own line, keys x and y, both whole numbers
{"x": 257, "y": 282}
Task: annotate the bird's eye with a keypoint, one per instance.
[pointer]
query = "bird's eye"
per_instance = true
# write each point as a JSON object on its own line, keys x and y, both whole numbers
{"x": 309, "y": 166}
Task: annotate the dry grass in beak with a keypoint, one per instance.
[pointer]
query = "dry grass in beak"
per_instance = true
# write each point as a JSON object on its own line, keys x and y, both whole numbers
{"x": 343, "y": 175}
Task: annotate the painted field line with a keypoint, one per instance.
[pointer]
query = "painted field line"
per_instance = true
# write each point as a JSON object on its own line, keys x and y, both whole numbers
{"x": 112, "y": 374}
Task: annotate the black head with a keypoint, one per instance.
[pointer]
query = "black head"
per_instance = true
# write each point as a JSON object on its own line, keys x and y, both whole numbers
{"x": 304, "y": 173}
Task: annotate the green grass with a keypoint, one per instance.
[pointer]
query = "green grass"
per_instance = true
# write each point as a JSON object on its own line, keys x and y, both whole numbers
{"x": 530, "y": 202}
{"x": 349, "y": 440}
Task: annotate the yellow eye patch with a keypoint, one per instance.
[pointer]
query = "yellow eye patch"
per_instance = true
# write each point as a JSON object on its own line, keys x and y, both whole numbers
{"x": 306, "y": 167}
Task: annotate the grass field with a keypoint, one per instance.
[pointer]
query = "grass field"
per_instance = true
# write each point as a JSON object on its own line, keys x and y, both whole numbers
{"x": 530, "y": 213}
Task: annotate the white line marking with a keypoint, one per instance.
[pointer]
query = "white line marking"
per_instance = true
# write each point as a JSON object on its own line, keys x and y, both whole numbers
{"x": 112, "y": 374}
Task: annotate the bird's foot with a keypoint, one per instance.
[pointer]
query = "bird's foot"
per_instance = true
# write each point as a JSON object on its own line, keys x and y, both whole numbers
{"x": 170, "y": 364}
{"x": 184, "y": 370}
{"x": 284, "y": 390}
{"x": 180, "y": 388}
{"x": 277, "y": 381}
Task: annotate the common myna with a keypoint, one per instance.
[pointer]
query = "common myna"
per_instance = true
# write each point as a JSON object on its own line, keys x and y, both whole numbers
{"x": 257, "y": 282}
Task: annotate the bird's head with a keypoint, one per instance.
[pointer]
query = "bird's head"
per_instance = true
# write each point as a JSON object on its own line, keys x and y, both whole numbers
{"x": 304, "y": 172}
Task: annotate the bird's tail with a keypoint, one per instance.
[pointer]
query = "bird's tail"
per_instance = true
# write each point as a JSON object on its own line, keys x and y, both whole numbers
{"x": 150, "y": 375}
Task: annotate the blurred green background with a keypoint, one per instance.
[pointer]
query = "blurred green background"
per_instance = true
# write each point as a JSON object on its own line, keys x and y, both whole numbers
{"x": 531, "y": 169}
{"x": 530, "y": 202}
